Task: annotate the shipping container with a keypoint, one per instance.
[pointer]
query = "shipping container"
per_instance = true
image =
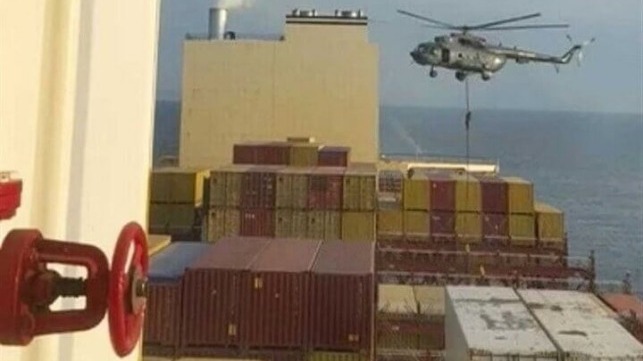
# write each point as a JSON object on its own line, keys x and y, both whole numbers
{"x": 390, "y": 222}
{"x": 276, "y": 295}
{"x": 494, "y": 195}
{"x": 157, "y": 242}
{"x": 330, "y": 156}
{"x": 522, "y": 230}
{"x": 335, "y": 356}
{"x": 396, "y": 302}
{"x": 177, "y": 185}
{"x": 258, "y": 187}
{"x": 492, "y": 323}
{"x": 626, "y": 305}
{"x": 390, "y": 181}
{"x": 360, "y": 187}
{"x": 467, "y": 193}
{"x": 225, "y": 186}
{"x": 430, "y": 300}
{"x": 417, "y": 195}
{"x": 550, "y": 222}
{"x": 324, "y": 225}
{"x": 291, "y": 223}
{"x": 442, "y": 223}
{"x": 274, "y": 153}
{"x": 163, "y": 310}
{"x": 325, "y": 188}
{"x": 520, "y": 195}
{"x": 292, "y": 188}
{"x": 495, "y": 226}
{"x": 343, "y": 297}
{"x": 417, "y": 224}
{"x": 213, "y": 302}
{"x": 257, "y": 222}
{"x": 223, "y": 222}
{"x": 304, "y": 154}
{"x": 442, "y": 187}
{"x": 174, "y": 215}
{"x": 468, "y": 227}
{"x": 391, "y": 339}
{"x": 581, "y": 326}
{"x": 246, "y": 153}
{"x": 358, "y": 226}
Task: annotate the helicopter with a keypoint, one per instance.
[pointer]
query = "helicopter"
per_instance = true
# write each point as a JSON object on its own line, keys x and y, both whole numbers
{"x": 471, "y": 54}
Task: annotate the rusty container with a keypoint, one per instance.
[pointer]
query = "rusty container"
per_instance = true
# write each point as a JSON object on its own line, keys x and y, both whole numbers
{"x": 522, "y": 230}
{"x": 342, "y": 297}
{"x": 257, "y": 222}
{"x": 291, "y": 223}
{"x": 213, "y": 297}
{"x": 442, "y": 188}
{"x": 277, "y": 294}
{"x": 494, "y": 195}
{"x": 325, "y": 188}
{"x": 390, "y": 222}
{"x": 467, "y": 193}
{"x": 468, "y": 227}
{"x": 520, "y": 195}
{"x": 163, "y": 312}
{"x": 324, "y": 225}
{"x": 417, "y": 193}
{"x": 225, "y": 185}
{"x": 495, "y": 226}
{"x": 222, "y": 222}
{"x": 442, "y": 223}
{"x": 358, "y": 226}
{"x": 360, "y": 187}
{"x": 332, "y": 156}
{"x": 417, "y": 225}
{"x": 292, "y": 188}
{"x": 258, "y": 187}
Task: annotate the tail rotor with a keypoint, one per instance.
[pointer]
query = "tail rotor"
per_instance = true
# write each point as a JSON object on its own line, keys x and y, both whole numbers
{"x": 579, "y": 58}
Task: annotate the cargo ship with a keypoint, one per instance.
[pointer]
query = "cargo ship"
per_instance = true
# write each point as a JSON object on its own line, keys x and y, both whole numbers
{"x": 293, "y": 238}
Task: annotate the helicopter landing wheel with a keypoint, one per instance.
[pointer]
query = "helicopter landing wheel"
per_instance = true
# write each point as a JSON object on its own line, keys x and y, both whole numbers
{"x": 433, "y": 73}
{"x": 460, "y": 75}
{"x": 485, "y": 76}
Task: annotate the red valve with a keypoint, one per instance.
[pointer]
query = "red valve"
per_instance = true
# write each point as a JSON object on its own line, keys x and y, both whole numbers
{"x": 28, "y": 287}
{"x": 10, "y": 190}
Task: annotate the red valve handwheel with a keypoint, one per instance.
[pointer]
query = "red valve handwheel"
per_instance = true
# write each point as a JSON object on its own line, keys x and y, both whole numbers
{"x": 127, "y": 289}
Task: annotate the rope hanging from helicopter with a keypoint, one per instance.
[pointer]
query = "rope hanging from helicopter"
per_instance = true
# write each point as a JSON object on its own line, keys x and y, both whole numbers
{"x": 467, "y": 121}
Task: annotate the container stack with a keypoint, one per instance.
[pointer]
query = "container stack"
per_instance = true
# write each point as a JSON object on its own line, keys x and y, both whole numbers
{"x": 550, "y": 226}
{"x": 176, "y": 206}
{"x": 359, "y": 202}
{"x": 297, "y": 152}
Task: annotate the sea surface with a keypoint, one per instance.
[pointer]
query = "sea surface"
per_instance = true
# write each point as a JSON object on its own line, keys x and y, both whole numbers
{"x": 588, "y": 164}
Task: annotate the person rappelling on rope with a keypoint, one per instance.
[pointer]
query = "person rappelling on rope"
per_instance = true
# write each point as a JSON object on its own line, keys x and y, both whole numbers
{"x": 467, "y": 119}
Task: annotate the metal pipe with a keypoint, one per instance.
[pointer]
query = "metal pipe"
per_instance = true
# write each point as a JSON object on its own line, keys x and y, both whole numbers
{"x": 218, "y": 17}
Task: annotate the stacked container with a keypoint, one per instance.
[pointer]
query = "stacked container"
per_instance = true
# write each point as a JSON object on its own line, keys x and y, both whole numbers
{"x": 177, "y": 202}
{"x": 359, "y": 202}
{"x": 550, "y": 228}
{"x": 390, "y": 212}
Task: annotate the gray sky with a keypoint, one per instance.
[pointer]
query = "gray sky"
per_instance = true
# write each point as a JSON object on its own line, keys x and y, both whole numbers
{"x": 610, "y": 78}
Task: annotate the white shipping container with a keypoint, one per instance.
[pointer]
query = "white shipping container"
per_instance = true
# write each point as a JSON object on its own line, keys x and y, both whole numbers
{"x": 396, "y": 300}
{"x": 492, "y": 323}
{"x": 583, "y": 327}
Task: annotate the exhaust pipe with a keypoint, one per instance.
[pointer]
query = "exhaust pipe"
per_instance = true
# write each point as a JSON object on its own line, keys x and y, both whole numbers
{"x": 218, "y": 17}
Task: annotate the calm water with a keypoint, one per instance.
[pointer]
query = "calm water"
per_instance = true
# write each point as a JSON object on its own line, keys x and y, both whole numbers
{"x": 590, "y": 165}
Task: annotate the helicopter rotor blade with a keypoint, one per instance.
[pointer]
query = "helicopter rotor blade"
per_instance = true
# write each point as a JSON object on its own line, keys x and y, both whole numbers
{"x": 522, "y": 27}
{"x": 424, "y": 18}
{"x": 500, "y": 22}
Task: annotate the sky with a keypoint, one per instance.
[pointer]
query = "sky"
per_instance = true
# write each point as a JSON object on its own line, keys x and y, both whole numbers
{"x": 610, "y": 78}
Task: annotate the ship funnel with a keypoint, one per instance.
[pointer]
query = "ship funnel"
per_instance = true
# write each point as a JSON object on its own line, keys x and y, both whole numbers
{"x": 218, "y": 17}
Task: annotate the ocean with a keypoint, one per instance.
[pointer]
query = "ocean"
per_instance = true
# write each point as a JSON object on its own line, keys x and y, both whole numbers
{"x": 590, "y": 165}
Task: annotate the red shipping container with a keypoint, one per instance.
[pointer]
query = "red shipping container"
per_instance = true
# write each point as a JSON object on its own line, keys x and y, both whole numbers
{"x": 494, "y": 195}
{"x": 342, "y": 297}
{"x": 212, "y": 293}
{"x": 495, "y": 226}
{"x": 442, "y": 188}
{"x": 257, "y": 223}
{"x": 276, "y": 295}
{"x": 245, "y": 153}
{"x": 259, "y": 188}
{"x": 325, "y": 187}
{"x": 442, "y": 223}
{"x": 333, "y": 156}
{"x": 274, "y": 153}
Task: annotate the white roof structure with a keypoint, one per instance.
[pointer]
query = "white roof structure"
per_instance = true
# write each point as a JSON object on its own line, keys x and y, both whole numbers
{"x": 494, "y": 321}
{"x": 581, "y": 325}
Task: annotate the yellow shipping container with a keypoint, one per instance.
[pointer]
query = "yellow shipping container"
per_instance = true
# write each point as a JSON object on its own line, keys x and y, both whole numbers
{"x": 550, "y": 223}
{"x": 395, "y": 302}
{"x": 177, "y": 185}
{"x": 390, "y": 222}
{"x": 430, "y": 299}
{"x": 324, "y": 225}
{"x": 467, "y": 193}
{"x": 304, "y": 154}
{"x": 417, "y": 224}
{"x": 358, "y": 226}
{"x": 360, "y": 187}
{"x": 292, "y": 188}
{"x": 290, "y": 223}
{"x": 222, "y": 222}
{"x": 172, "y": 215}
{"x": 335, "y": 356}
{"x": 468, "y": 227}
{"x": 522, "y": 230}
{"x": 521, "y": 195}
{"x": 416, "y": 193}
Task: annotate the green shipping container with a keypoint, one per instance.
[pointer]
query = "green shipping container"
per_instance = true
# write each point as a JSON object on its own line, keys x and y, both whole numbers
{"x": 417, "y": 224}
{"x": 325, "y": 225}
{"x": 550, "y": 226}
{"x": 468, "y": 227}
{"x": 292, "y": 188}
{"x": 358, "y": 226}
{"x": 360, "y": 187}
{"x": 173, "y": 215}
{"x": 225, "y": 186}
{"x": 291, "y": 223}
{"x": 222, "y": 222}
{"x": 522, "y": 230}
{"x": 390, "y": 222}
{"x": 177, "y": 185}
